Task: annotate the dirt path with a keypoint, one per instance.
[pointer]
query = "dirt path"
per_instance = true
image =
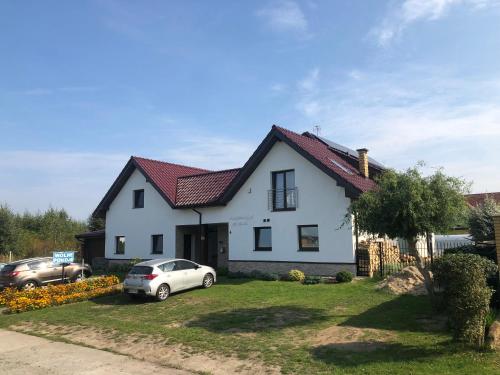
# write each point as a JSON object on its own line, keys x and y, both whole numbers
{"x": 24, "y": 354}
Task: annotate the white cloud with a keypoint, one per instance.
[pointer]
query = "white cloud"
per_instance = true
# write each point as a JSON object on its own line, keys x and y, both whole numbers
{"x": 35, "y": 180}
{"x": 412, "y": 11}
{"x": 278, "y": 88}
{"x": 284, "y": 16}
{"x": 310, "y": 81}
{"x": 418, "y": 113}
{"x": 40, "y": 91}
{"x": 211, "y": 152}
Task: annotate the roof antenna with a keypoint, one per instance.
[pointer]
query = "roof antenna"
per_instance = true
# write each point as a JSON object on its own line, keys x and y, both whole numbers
{"x": 317, "y": 130}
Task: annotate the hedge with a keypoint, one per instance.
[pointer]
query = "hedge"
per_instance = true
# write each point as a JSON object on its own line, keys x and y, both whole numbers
{"x": 53, "y": 295}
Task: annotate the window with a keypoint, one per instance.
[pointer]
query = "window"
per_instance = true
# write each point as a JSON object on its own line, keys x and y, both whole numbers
{"x": 284, "y": 192}
{"x": 167, "y": 267}
{"x": 184, "y": 265}
{"x": 139, "y": 198}
{"x": 263, "y": 241}
{"x": 120, "y": 245}
{"x": 308, "y": 238}
{"x": 157, "y": 244}
{"x": 38, "y": 265}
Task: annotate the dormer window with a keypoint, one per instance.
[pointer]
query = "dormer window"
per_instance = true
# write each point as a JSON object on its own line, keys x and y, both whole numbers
{"x": 284, "y": 192}
{"x": 139, "y": 198}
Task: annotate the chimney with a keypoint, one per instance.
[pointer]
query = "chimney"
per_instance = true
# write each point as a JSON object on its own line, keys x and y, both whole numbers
{"x": 363, "y": 161}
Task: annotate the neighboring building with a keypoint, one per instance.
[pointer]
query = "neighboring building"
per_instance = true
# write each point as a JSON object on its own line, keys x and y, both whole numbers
{"x": 284, "y": 209}
{"x": 92, "y": 246}
{"x": 475, "y": 200}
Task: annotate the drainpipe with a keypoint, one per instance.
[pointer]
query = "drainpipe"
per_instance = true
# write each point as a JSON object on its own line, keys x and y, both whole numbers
{"x": 198, "y": 237}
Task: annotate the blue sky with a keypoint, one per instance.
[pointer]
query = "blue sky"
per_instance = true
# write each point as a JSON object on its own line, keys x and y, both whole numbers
{"x": 84, "y": 85}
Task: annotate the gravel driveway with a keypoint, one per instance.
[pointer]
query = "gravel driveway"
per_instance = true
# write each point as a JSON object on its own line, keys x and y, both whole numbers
{"x": 24, "y": 354}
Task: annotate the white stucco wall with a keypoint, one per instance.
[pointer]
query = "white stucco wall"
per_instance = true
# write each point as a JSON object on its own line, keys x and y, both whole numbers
{"x": 320, "y": 201}
{"x": 138, "y": 224}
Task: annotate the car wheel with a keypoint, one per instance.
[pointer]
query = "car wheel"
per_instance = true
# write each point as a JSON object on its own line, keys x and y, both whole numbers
{"x": 29, "y": 285}
{"x": 162, "y": 292}
{"x": 79, "y": 277}
{"x": 208, "y": 280}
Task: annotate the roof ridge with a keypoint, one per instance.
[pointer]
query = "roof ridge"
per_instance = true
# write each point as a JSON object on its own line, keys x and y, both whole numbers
{"x": 315, "y": 138}
{"x": 210, "y": 172}
{"x": 170, "y": 163}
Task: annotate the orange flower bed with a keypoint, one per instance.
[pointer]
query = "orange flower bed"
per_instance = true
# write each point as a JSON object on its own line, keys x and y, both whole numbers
{"x": 53, "y": 295}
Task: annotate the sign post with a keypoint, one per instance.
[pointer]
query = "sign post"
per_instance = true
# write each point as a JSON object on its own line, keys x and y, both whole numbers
{"x": 63, "y": 258}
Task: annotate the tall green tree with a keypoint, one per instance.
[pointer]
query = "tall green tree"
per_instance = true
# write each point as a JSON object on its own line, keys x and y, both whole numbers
{"x": 481, "y": 226}
{"x": 408, "y": 205}
{"x": 95, "y": 223}
{"x": 7, "y": 229}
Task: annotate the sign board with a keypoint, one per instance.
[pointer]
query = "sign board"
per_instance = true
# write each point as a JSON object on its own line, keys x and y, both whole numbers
{"x": 60, "y": 257}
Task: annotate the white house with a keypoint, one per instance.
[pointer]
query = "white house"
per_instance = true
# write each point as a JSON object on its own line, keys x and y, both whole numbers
{"x": 283, "y": 209}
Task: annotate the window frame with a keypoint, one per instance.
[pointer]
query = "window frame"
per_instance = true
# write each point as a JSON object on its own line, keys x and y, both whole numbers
{"x": 134, "y": 198}
{"x": 256, "y": 234}
{"x": 117, "y": 239}
{"x": 273, "y": 184}
{"x": 299, "y": 233}
{"x": 153, "y": 236}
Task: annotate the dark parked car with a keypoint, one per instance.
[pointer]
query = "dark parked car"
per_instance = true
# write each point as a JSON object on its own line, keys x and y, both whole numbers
{"x": 31, "y": 273}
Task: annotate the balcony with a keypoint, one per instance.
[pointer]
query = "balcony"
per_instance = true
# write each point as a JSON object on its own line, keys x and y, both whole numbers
{"x": 282, "y": 199}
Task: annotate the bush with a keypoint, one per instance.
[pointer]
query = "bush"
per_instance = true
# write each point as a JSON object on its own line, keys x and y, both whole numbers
{"x": 344, "y": 277}
{"x": 52, "y": 295}
{"x": 311, "y": 280}
{"x": 481, "y": 220}
{"x": 222, "y": 271}
{"x": 466, "y": 294}
{"x": 237, "y": 275}
{"x": 296, "y": 275}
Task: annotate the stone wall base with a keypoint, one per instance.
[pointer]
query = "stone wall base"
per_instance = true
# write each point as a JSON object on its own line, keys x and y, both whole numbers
{"x": 281, "y": 268}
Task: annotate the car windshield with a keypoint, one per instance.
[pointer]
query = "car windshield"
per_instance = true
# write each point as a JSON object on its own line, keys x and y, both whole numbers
{"x": 8, "y": 268}
{"x": 141, "y": 270}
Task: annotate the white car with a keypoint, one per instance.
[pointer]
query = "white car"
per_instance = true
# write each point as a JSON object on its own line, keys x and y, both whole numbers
{"x": 160, "y": 277}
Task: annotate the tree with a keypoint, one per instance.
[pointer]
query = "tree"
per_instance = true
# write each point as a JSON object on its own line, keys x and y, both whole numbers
{"x": 95, "y": 223}
{"x": 7, "y": 229}
{"x": 408, "y": 205}
{"x": 481, "y": 220}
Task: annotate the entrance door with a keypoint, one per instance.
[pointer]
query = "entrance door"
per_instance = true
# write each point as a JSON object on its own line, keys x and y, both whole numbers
{"x": 187, "y": 246}
{"x": 212, "y": 246}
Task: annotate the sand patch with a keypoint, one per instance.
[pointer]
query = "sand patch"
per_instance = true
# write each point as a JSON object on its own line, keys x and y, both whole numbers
{"x": 352, "y": 338}
{"x": 150, "y": 348}
{"x": 408, "y": 281}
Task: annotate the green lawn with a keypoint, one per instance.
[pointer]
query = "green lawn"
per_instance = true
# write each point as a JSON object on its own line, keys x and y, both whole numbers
{"x": 340, "y": 328}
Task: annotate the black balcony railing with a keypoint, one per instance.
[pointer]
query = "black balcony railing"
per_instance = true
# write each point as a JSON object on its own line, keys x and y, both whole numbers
{"x": 282, "y": 199}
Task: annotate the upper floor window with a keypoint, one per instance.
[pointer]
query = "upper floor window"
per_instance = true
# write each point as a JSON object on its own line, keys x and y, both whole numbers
{"x": 120, "y": 245}
{"x": 284, "y": 193}
{"x": 157, "y": 244}
{"x": 263, "y": 239}
{"x": 139, "y": 198}
{"x": 308, "y": 238}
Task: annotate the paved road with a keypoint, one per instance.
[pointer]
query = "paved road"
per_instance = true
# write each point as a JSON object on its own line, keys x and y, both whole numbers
{"x": 22, "y": 354}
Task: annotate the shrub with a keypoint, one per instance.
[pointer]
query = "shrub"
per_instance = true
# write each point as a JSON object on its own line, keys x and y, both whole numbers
{"x": 466, "y": 294}
{"x": 270, "y": 277}
{"x": 481, "y": 220}
{"x": 52, "y": 295}
{"x": 344, "y": 277}
{"x": 311, "y": 280}
{"x": 222, "y": 271}
{"x": 237, "y": 275}
{"x": 296, "y": 275}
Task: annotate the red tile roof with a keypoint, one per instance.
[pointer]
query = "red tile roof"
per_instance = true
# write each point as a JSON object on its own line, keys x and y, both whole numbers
{"x": 183, "y": 186}
{"x": 322, "y": 153}
{"x": 204, "y": 188}
{"x": 478, "y": 199}
{"x": 164, "y": 175}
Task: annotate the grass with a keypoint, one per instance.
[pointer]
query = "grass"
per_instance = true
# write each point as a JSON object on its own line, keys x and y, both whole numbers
{"x": 276, "y": 322}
